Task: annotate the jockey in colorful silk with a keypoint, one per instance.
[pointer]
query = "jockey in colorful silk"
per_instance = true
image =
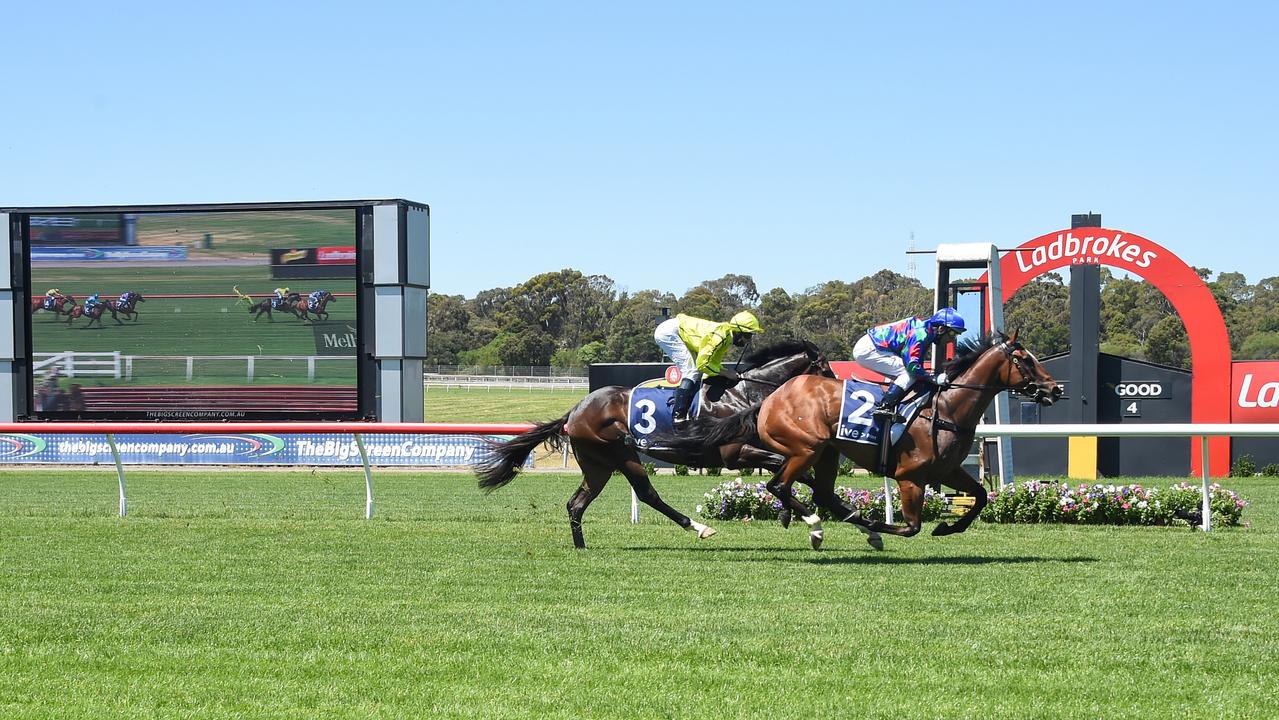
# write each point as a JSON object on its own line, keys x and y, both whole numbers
{"x": 280, "y": 294}
{"x": 698, "y": 348}
{"x": 896, "y": 350}
{"x": 91, "y": 302}
{"x": 313, "y": 300}
{"x": 51, "y": 298}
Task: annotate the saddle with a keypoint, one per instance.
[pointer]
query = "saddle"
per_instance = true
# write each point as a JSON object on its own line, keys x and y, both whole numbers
{"x": 859, "y": 424}
{"x": 650, "y": 410}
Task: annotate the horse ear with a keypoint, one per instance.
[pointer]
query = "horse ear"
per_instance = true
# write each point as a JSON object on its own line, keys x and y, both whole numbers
{"x": 1013, "y": 340}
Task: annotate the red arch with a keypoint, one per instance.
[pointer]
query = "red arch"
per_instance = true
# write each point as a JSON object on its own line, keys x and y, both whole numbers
{"x": 1189, "y": 295}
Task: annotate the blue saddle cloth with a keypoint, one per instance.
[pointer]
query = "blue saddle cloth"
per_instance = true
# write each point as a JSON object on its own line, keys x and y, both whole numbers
{"x": 857, "y": 422}
{"x": 650, "y": 412}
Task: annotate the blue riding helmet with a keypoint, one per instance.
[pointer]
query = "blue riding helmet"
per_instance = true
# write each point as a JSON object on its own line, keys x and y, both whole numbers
{"x": 947, "y": 318}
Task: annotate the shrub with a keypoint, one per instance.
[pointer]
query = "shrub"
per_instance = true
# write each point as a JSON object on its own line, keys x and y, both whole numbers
{"x": 681, "y": 469}
{"x": 650, "y": 468}
{"x": 743, "y": 500}
{"x": 1270, "y": 470}
{"x": 1244, "y": 466}
{"x": 714, "y": 471}
{"x": 1097, "y": 504}
{"x": 746, "y": 472}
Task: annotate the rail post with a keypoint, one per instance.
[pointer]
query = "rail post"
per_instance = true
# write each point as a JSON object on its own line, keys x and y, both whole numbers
{"x": 119, "y": 471}
{"x": 368, "y": 477}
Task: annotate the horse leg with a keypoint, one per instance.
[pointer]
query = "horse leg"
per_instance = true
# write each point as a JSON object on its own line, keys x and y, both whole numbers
{"x": 737, "y": 456}
{"x": 637, "y": 476}
{"x": 912, "y": 497}
{"x": 780, "y": 486}
{"x": 595, "y": 475}
{"x": 960, "y": 480}
{"x": 824, "y": 496}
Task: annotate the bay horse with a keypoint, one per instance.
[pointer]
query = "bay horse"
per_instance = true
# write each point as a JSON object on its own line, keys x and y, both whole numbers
{"x": 320, "y": 311}
{"x": 62, "y": 305}
{"x": 94, "y": 315}
{"x": 127, "y": 304}
{"x": 596, "y": 428}
{"x": 800, "y": 419}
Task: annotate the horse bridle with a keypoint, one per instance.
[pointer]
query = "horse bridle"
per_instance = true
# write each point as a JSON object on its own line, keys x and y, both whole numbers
{"x": 1027, "y": 388}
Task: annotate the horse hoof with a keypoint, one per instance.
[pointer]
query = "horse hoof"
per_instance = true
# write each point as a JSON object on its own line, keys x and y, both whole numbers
{"x": 705, "y": 532}
{"x": 815, "y": 538}
{"x": 784, "y": 517}
{"x": 875, "y": 541}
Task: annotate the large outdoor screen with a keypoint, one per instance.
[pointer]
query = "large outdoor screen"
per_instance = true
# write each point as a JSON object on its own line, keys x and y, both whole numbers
{"x": 191, "y": 315}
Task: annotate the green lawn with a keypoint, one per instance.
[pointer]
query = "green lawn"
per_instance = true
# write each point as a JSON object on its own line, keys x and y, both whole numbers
{"x": 498, "y": 405}
{"x": 264, "y": 594}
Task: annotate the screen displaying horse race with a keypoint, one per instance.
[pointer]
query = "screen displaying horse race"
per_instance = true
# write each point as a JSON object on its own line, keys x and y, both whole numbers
{"x": 194, "y": 314}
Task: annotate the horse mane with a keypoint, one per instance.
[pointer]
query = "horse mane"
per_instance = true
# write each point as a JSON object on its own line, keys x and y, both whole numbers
{"x": 967, "y": 352}
{"x": 769, "y": 353}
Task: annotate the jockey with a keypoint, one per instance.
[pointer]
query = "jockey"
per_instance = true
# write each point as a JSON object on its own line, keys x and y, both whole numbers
{"x": 124, "y": 297}
{"x": 280, "y": 294}
{"x": 91, "y": 302}
{"x": 896, "y": 350}
{"x": 698, "y": 347}
{"x": 313, "y": 300}
{"x": 51, "y": 298}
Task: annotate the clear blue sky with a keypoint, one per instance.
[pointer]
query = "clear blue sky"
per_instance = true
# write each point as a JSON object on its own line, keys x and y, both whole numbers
{"x": 663, "y": 144}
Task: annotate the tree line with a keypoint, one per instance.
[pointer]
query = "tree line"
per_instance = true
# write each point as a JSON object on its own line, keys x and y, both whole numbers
{"x": 568, "y": 319}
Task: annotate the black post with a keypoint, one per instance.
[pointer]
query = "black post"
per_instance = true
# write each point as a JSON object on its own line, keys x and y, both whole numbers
{"x": 1085, "y": 333}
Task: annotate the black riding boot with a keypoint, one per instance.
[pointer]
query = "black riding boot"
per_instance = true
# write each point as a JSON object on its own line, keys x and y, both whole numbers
{"x": 889, "y": 402}
{"x": 683, "y": 399}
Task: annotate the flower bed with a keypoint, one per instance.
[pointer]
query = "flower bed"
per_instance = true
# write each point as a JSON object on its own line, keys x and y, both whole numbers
{"x": 738, "y": 499}
{"x": 1097, "y": 504}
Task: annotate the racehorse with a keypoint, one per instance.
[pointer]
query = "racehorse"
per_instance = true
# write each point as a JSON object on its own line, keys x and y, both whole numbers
{"x": 94, "y": 315}
{"x": 62, "y": 305}
{"x": 800, "y": 420}
{"x": 127, "y": 304}
{"x": 319, "y": 311}
{"x": 596, "y": 429}
{"x": 291, "y": 304}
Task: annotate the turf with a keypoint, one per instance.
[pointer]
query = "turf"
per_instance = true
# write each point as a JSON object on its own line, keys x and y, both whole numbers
{"x": 499, "y": 405}
{"x": 263, "y": 594}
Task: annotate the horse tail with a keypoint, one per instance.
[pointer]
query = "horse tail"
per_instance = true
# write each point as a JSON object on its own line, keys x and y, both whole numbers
{"x": 707, "y": 432}
{"x": 506, "y": 457}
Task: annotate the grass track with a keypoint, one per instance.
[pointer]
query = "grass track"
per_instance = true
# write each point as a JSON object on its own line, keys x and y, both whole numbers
{"x": 499, "y": 405}
{"x": 262, "y": 594}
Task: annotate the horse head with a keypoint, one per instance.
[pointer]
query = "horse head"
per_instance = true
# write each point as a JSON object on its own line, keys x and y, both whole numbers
{"x": 1001, "y": 362}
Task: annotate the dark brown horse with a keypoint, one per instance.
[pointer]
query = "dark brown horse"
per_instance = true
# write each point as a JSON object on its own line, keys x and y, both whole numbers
{"x": 799, "y": 421}
{"x": 597, "y": 431}
{"x": 94, "y": 314}
{"x": 127, "y": 305}
{"x": 292, "y": 304}
{"x": 62, "y": 305}
{"x": 320, "y": 312}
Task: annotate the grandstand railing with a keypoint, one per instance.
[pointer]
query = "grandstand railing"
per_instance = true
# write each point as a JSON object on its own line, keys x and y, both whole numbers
{"x": 356, "y": 429}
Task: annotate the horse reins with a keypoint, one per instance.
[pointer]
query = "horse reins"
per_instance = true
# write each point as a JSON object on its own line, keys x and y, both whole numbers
{"x": 1022, "y": 389}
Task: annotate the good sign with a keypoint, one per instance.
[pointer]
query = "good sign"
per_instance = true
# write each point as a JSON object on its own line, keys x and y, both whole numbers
{"x": 1139, "y": 389}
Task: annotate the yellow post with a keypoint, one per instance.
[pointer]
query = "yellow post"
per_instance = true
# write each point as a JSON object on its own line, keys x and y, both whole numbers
{"x": 1082, "y": 462}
